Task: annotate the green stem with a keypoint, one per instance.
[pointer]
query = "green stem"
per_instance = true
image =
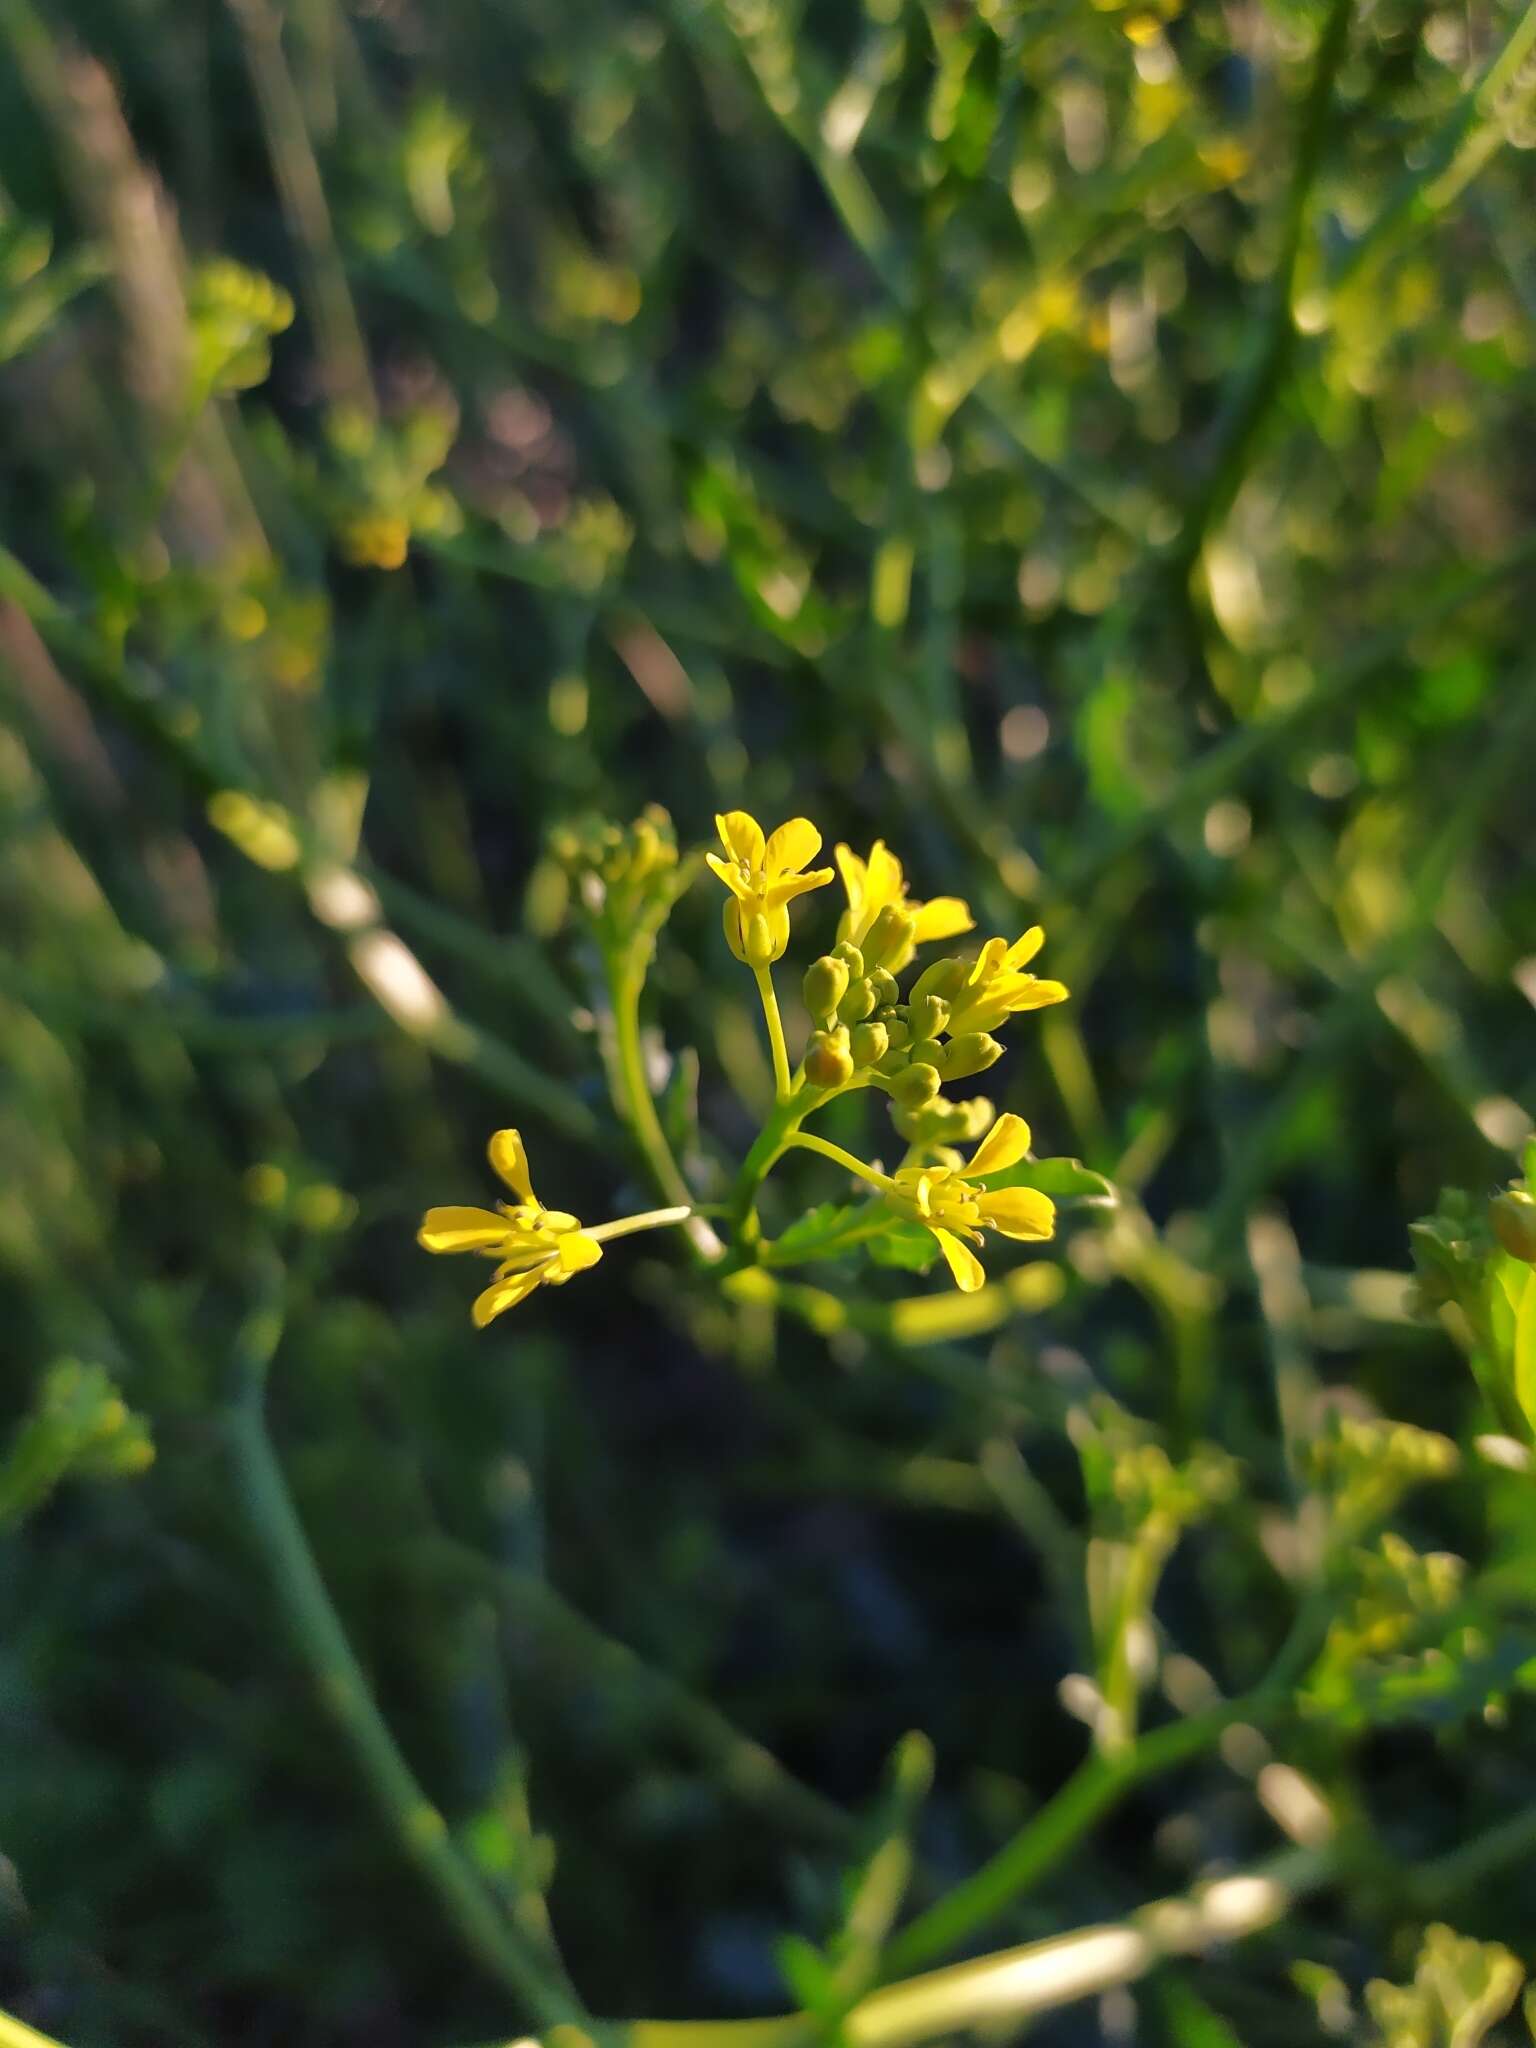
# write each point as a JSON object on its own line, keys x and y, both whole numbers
{"x": 626, "y": 1226}
{"x": 538, "y": 1982}
{"x": 841, "y": 1158}
{"x": 637, "y": 1105}
{"x": 999, "y": 1992}
{"x": 767, "y": 1147}
{"x": 1090, "y": 1792}
{"x": 1437, "y": 1883}
{"x": 781, "y": 1081}
{"x": 1092, "y": 1789}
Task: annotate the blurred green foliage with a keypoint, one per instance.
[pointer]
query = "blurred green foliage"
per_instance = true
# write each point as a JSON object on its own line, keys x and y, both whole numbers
{"x": 1089, "y": 447}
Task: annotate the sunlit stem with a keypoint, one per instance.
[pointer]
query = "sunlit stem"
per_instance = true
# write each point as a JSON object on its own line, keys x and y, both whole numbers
{"x": 635, "y": 1103}
{"x": 836, "y": 1153}
{"x": 781, "y": 1081}
{"x": 770, "y": 1145}
{"x": 625, "y": 1226}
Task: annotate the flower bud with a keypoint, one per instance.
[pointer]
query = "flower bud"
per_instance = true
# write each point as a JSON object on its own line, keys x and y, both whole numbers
{"x": 647, "y": 851}
{"x": 891, "y": 933}
{"x": 824, "y": 986}
{"x": 757, "y": 941}
{"x": 883, "y": 982}
{"x": 851, "y": 957}
{"x": 945, "y": 1123}
{"x": 925, "y": 1052}
{"x": 915, "y": 1086}
{"x": 971, "y": 1053}
{"x": 928, "y": 1015}
{"x": 1513, "y": 1216}
{"x": 869, "y": 1044}
{"x": 898, "y": 1031}
{"x": 828, "y": 1062}
{"x": 858, "y": 1004}
{"x": 943, "y": 978}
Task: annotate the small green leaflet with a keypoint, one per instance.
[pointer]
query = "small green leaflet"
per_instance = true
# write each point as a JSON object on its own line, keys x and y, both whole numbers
{"x": 1525, "y": 1348}
{"x": 907, "y": 1245}
{"x": 833, "y": 1229}
{"x": 1064, "y": 1180}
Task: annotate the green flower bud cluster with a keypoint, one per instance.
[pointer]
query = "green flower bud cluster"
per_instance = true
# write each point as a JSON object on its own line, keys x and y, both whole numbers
{"x": 80, "y": 1426}
{"x": 945, "y": 1123}
{"x": 623, "y": 879}
{"x": 1461, "y": 1988}
{"x": 852, "y": 991}
{"x": 1365, "y": 1464}
{"x": 1134, "y": 1488}
{"x": 1397, "y": 1589}
{"x": 233, "y": 314}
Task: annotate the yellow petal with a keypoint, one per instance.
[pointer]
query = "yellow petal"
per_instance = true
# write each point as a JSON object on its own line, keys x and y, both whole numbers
{"x": 576, "y": 1251}
{"x": 741, "y": 836}
{"x": 886, "y": 883}
{"x": 462, "y": 1230}
{"x": 1026, "y": 993}
{"x": 1019, "y": 1212}
{"x": 942, "y": 918}
{"x": 787, "y": 887}
{"x": 729, "y": 872}
{"x": 852, "y": 870}
{"x": 504, "y": 1294}
{"x": 1003, "y": 1146}
{"x": 1025, "y": 948}
{"x": 988, "y": 960}
{"x": 795, "y": 842}
{"x": 963, "y": 1263}
{"x": 510, "y": 1160}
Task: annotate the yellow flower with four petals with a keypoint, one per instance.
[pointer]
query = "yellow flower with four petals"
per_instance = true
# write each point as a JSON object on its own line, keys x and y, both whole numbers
{"x": 997, "y": 987}
{"x": 764, "y": 876}
{"x": 874, "y": 883}
{"x": 533, "y": 1246}
{"x": 952, "y": 1202}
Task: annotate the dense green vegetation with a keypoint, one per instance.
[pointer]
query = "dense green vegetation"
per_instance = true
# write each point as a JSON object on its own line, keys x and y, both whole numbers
{"x": 1090, "y": 448}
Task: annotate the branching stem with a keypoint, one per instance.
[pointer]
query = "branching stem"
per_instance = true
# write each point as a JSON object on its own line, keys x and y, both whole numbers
{"x": 535, "y": 1978}
{"x": 839, "y": 1157}
{"x": 637, "y": 1106}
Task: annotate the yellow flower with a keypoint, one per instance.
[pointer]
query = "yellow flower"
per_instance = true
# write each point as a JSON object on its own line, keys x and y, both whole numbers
{"x": 764, "y": 876}
{"x": 878, "y": 881}
{"x": 996, "y": 986}
{"x": 951, "y": 1202}
{"x": 533, "y": 1246}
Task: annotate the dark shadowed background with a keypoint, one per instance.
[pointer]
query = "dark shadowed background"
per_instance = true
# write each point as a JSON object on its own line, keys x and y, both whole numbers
{"x": 1090, "y": 447}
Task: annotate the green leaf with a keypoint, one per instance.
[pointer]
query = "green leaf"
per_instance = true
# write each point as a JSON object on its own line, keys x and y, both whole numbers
{"x": 1438, "y": 1691}
{"x": 1190, "y": 2021}
{"x": 822, "y": 1231}
{"x": 806, "y": 1972}
{"x": 1525, "y": 1348}
{"x": 1064, "y": 1180}
{"x": 905, "y": 1245}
